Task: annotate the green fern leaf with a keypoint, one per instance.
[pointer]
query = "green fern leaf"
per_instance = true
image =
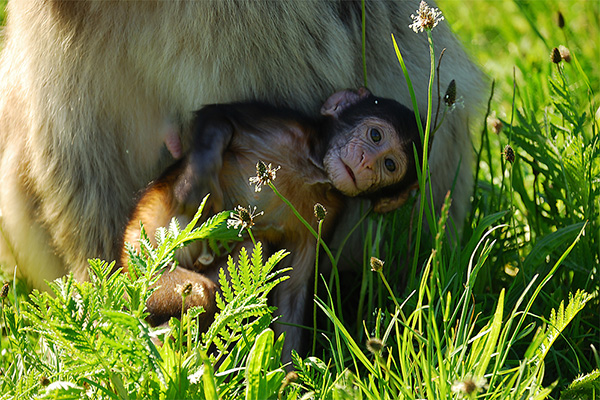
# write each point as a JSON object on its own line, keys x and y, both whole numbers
{"x": 559, "y": 319}
{"x": 584, "y": 387}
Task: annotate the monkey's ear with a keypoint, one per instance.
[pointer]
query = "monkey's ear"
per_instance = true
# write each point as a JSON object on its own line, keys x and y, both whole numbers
{"x": 339, "y": 101}
{"x": 391, "y": 203}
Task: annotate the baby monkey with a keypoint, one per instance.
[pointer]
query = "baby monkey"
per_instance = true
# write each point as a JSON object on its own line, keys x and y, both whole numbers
{"x": 362, "y": 145}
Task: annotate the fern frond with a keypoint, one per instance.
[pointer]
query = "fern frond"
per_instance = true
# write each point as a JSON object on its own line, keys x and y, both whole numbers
{"x": 243, "y": 297}
{"x": 174, "y": 227}
{"x": 234, "y": 272}
{"x": 257, "y": 262}
{"x": 245, "y": 268}
{"x": 584, "y": 387}
{"x": 559, "y": 319}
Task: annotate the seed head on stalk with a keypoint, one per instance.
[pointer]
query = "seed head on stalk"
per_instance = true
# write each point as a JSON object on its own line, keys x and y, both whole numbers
{"x": 243, "y": 218}
{"x": 264, "y": 175}
{"x": 426, "y": 18}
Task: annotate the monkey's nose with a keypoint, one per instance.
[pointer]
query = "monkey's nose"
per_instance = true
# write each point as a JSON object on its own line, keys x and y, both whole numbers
{"x": 366, "y": 161}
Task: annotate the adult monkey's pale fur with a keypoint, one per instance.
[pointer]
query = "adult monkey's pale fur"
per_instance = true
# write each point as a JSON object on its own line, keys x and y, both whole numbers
{"x": 90, "y": 90}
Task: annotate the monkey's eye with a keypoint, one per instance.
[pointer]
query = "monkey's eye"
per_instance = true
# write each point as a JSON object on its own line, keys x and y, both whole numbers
{"x": 375, "y": 135}
{"x": 390, "y": 165}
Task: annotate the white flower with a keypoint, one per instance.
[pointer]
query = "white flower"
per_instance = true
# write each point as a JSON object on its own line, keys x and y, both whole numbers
{"x": 264, "y": 175}
{"x": 426, "y": 19}
{"x": 242, "y": 218}
{"x": 469, "y": 386}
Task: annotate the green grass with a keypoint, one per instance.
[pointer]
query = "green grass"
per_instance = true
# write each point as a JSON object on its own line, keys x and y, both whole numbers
{"x": 552, "y": 189}
{"x": 512, "y": 311}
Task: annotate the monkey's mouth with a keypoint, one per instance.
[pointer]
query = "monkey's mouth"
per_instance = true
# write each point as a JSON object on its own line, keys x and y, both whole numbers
{"x": 351, "y": 173}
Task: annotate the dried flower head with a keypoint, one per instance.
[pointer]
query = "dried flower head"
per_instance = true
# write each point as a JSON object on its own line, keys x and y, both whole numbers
{"x": 375, "y": 345}
{"x": 495, "y": 124}
{"x": 450, "y": 96}
{"x": 320, "y": 212}
{"x": 511, "y": 269}
{"x": 291, "y": 377}
{"x": 565, "y": 54}
{"x": 426, "y": 19}
{"x": 242, "y": 218}
{"x": 555, "y": 56}
{"x": 376, "y": 264}
{"x": 509, "y": 154}
{"x": 264, "y": 175}
{"x": 469, "y": 386}
{"x": 4, "y": 291}
{"x": 189, "y": 288}
{"x": 44, "y": 381}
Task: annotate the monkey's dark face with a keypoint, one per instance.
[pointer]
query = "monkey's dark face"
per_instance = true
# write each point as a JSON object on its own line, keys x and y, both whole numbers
{"x": 370, "y": 156}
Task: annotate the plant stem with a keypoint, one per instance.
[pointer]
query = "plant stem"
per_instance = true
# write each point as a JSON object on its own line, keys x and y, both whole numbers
{"x": 319, "y": 240}
{"x": 389, "y": 289}
{"x": 314, "y": 343}
{"x": 306, "y": 224}
{"x": 425, "y": 165}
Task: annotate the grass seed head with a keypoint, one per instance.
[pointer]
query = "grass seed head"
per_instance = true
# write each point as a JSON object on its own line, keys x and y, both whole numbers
{"x": 495, "y": 124}
{"x": 450, "y": 96}
{"x": 555, "y": 56}
{"x": 291, "y": 377}
{"x": 187, "y": 289}
{"x": 375, "y": 345}
{"x": 264, "y": 175}
{"x": 4, "y": 291}
{"x": 565, "y": 54}
{"x": 320, "y": 212}
{"x": 376, "y": 264}
{"x": 242, "y": 218}
{"x": 560, "y": 20}
{"x": 426, "y": 18}
{"x": 509, "y": 154}
{"x": 469, "y": 386}
{"x": 44, "y": 381}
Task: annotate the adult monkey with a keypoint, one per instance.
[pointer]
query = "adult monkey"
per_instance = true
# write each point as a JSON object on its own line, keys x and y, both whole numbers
{"x": 91, "y": 90}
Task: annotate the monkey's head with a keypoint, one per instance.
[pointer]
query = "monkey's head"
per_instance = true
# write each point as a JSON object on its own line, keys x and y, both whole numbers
{"x": 370, "y": 153}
